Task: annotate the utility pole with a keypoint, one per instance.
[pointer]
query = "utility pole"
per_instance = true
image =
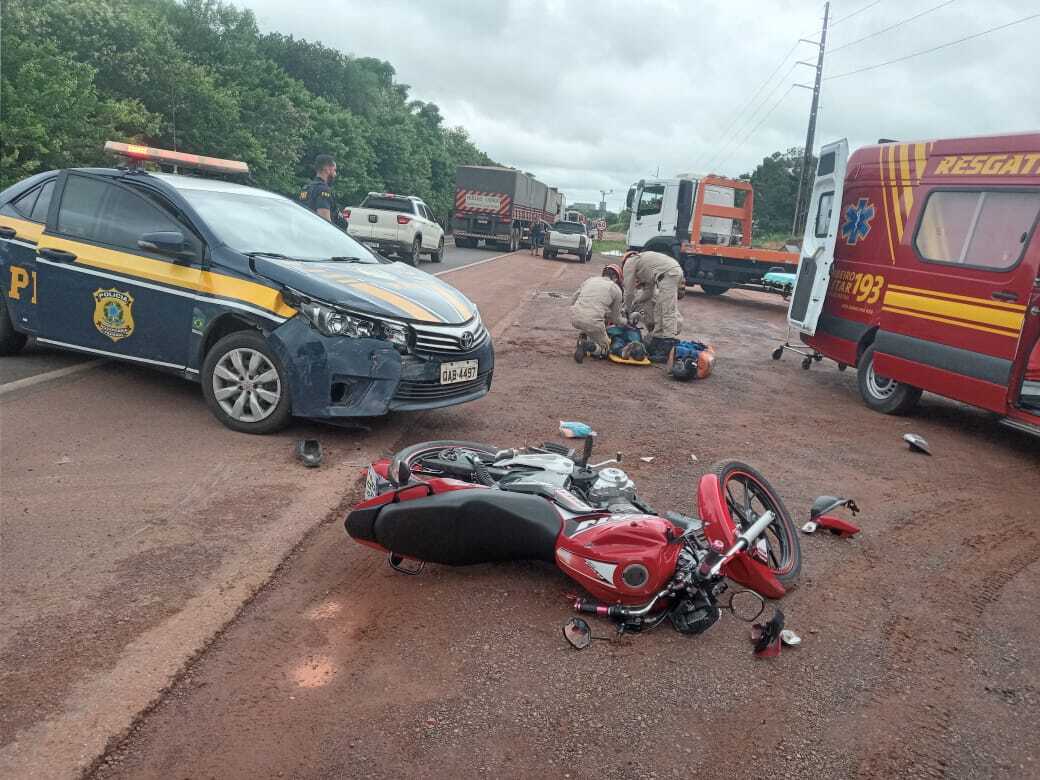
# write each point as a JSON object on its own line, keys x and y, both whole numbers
{"x": 806, "y": 177}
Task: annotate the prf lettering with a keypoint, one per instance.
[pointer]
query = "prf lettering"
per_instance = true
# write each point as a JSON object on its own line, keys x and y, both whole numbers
{"x": 989, "y": 164}
{"x": 864, "y": 288}
{"x": 20, "y": 279}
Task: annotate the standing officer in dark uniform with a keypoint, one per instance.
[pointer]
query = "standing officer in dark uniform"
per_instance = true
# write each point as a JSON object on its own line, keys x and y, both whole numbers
{"x": 318, "y": 195}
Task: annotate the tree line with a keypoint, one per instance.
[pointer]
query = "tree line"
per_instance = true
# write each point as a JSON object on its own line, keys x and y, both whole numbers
{"x": 199, "y": 76}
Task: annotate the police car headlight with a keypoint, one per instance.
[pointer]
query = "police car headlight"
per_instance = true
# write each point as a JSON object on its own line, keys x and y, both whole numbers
{"x": 332, "y": 322}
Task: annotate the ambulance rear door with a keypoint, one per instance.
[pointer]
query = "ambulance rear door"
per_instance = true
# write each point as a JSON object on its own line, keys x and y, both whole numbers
{"x": 821, "y": 230}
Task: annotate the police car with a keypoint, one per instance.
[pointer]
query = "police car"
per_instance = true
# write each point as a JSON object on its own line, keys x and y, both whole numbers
{"x": 273, "y": 310}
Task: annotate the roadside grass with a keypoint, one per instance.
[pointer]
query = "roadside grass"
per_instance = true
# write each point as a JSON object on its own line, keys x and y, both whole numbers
{"x": 606, "y": 246}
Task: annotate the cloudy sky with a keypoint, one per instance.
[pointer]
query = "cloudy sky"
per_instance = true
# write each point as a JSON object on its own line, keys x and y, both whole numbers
{"x": 595, "y": 95}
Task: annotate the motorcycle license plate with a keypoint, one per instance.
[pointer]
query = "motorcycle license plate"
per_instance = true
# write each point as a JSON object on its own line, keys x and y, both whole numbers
{"x": 371, "y": 482}
{"x": 459, "y": 371}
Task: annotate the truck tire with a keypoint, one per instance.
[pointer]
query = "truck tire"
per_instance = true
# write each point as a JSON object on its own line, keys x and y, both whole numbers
{"x": 11, "y": 341}
{"x": 438, "y": 254}
{"x": 881, "y": 393}
{"x": 713, "y": 289}
{"x": 413, "y": 257}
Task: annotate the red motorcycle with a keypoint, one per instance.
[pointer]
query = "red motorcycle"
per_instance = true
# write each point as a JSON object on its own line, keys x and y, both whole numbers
{"x": 460, "y": 503}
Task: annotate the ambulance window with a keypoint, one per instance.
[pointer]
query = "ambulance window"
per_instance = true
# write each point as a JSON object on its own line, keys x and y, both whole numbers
{"x": 650, "y": 200}
{"x": 823, "y": 214}
{"x": 983, "y": 229}
{"x": 826, "y": 165}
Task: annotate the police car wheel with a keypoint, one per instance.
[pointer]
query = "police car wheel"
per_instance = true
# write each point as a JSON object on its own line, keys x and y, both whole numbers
{"x": 245, "y": 384}
{"x": 881, "y": 393}
{"x": 11, "y": 341}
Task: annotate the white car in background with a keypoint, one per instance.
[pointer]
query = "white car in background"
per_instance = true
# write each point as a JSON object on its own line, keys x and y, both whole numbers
{"x": 400, "y": 225}
{"x": 571, "y": 238}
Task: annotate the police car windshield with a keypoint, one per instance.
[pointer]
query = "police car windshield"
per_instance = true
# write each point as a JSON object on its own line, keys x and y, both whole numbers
{"x": 257, "y": 222}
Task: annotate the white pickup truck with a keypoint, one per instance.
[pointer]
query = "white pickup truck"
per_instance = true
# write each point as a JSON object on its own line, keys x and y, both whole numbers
{"x": 399, "y": 225}
{"x": 568, "y": 238}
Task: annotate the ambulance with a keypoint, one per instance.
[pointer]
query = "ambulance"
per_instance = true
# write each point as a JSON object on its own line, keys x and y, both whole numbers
{"x": 920, "y": 267}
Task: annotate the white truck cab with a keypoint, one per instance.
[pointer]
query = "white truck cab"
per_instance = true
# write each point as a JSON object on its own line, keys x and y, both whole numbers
{"x": 662, "y": 208}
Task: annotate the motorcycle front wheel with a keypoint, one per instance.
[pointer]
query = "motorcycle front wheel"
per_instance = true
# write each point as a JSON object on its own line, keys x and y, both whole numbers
{"x": 748, "y": 496}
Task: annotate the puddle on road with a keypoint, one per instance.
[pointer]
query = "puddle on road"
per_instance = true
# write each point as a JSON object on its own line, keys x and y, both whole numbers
{"x": 314, "y": 672}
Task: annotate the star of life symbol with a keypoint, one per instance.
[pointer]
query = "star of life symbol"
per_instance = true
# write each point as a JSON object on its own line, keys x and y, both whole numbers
{"x": 857, "y": 221}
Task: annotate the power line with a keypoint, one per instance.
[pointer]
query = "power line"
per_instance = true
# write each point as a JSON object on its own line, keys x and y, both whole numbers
{"x": 934, "y": 48}
{"x": 740, "y": 112}
{"x": 760, "y": 122}
{"x": 891, "y": 27}
{"x": 855, "y": 13}
{"x": 721, "y": 155}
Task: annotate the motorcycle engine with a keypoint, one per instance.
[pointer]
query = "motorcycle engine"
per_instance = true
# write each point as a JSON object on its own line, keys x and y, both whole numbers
{"x": 696, "y": 614}
{"x": 612, "y": 486}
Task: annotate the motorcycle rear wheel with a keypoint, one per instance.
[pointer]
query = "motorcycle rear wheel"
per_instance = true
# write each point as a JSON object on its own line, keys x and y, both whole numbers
{"x": 748, "y": 496}
{"x": 414, "y": 456}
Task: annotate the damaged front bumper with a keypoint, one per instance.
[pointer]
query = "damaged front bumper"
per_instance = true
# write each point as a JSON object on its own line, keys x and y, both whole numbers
{"x": 340, "y": 377}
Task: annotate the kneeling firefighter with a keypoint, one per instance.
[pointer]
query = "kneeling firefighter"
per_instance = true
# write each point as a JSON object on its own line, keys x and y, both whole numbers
{"x": 596, "y": 302}
{"x": 660, "y": 276}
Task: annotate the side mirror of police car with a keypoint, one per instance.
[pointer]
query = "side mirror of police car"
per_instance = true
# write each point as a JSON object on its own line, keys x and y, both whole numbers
{"x": 166, "y": 242}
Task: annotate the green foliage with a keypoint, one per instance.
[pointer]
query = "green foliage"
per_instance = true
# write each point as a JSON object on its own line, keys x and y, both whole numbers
{"x": 199, "y": 76}
{"x": 775, "y": 181}
{"x": 620, "y": 225}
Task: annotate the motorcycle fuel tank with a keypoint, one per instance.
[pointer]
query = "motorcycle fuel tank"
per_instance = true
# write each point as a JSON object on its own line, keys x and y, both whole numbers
{"x": 620, "y": 558}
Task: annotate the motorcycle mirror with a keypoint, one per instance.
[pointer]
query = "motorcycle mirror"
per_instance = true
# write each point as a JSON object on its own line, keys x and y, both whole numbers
{"x": 577, "y": 632}
{"x": 746, "y": 605}
{"x": 404, "y": 474}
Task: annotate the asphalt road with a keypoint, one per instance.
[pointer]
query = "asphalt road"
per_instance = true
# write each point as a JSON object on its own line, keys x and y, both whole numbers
{"x": 39, "y": 359}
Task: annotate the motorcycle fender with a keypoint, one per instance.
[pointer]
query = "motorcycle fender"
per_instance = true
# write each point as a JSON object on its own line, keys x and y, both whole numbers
{"x": 720, "y": 530}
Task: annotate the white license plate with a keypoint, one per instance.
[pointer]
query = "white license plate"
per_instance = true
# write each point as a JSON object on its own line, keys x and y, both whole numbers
{"x": 459, "y": 371}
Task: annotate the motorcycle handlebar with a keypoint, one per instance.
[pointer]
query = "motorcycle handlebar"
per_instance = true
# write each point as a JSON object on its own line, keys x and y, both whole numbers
{"x": 710, "y": 568}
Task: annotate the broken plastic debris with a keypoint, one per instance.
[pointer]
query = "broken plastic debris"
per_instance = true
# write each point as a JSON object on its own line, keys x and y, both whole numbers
{"x": 917, "y": 443}
{"x": 809, "y": 527}
{"x": 790, "y": 638}
{"x": 693, "y": 457}
{"x": 648, "y": 459}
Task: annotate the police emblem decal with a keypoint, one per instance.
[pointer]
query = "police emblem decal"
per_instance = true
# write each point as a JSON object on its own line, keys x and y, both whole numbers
{"x": 857, "y": 221}
{"x": 113, "y": 313}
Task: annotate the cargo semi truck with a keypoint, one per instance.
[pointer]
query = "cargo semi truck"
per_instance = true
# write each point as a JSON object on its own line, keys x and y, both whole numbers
{"x": 499, "y": 205}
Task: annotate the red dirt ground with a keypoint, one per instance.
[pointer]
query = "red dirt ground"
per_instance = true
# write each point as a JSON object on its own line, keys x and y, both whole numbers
{"x": 921, "y": 652}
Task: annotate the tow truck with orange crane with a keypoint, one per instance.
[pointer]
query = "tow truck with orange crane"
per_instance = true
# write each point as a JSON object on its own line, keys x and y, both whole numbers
{"x": 706, "y": 222}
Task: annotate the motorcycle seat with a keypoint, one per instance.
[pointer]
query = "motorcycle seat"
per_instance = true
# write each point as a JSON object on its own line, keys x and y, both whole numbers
{"x": 463, "y": 527}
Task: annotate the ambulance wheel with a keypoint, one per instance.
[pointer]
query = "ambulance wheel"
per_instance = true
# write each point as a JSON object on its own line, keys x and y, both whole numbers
{"x": 881, "y": 393}
{"x": 245, "y": 384}
{"x": 713, "y": 289}
{"x": 438, "y": 255}
{"x": 11, "y": 341}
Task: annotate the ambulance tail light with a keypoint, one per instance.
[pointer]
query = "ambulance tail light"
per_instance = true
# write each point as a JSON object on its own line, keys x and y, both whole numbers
{"x": 197, "y": 161}
{"x": 403, "y": 220}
